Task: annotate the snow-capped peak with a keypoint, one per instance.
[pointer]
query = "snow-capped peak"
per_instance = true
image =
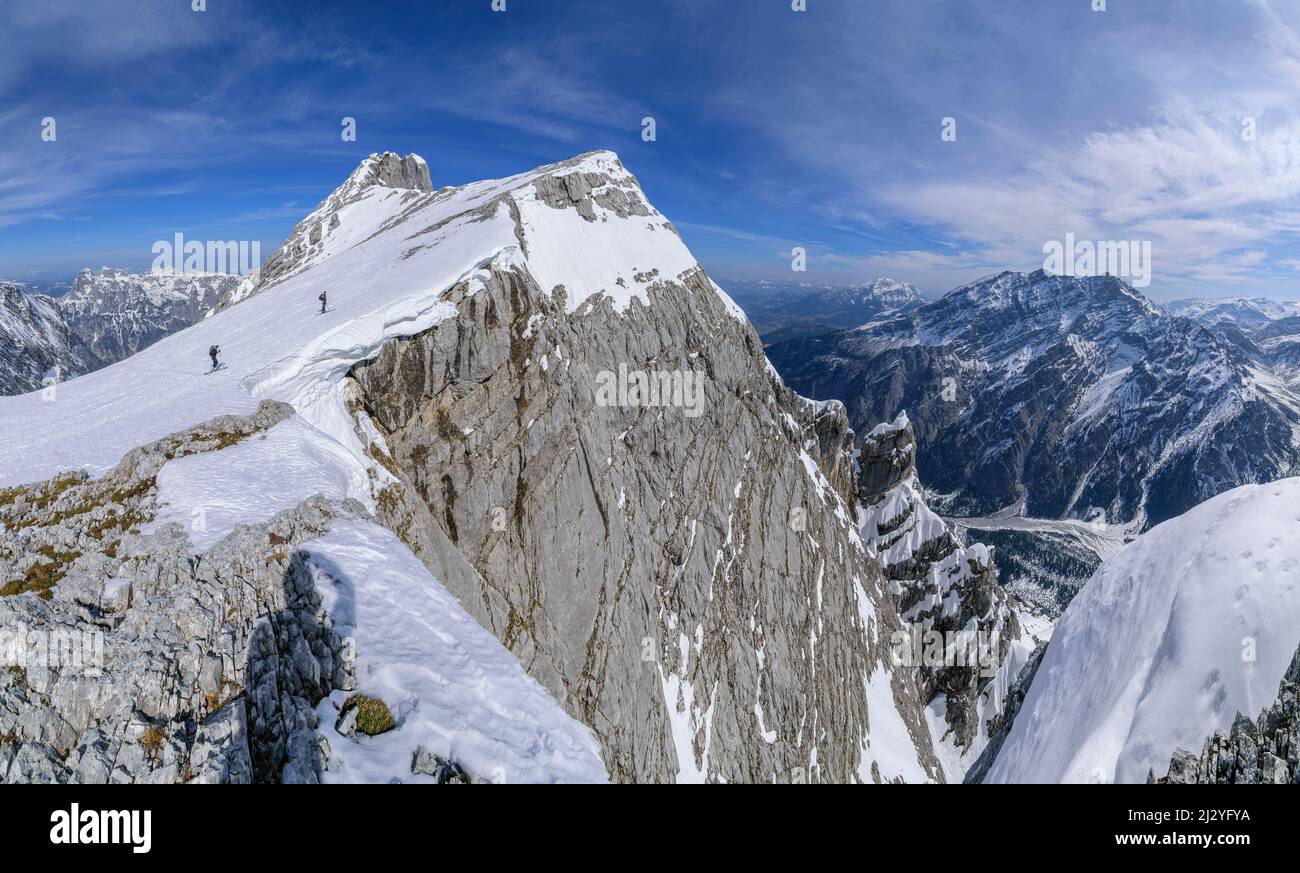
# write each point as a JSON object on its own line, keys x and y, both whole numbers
{"x": 384, "y": 256}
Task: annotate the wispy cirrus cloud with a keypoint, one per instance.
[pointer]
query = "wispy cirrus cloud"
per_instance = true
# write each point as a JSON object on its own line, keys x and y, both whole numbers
{"x": 1122, "y": 125}
{"x": 776, "y": 128}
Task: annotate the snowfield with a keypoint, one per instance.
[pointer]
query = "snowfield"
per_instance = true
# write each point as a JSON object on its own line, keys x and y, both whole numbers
{"x": 1191, "y": 623}
{"x": 212, "y": 492}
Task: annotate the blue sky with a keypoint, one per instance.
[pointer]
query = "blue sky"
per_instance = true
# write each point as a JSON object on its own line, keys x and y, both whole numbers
{"x": 776, "y": 128}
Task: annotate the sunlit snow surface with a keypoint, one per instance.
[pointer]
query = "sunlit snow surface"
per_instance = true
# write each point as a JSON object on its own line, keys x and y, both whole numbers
{"x": 212, "y": 492}
{"x": 452, "y": 687}
{"x": 1191, "y": 623}
{"x": 385, "y": 269}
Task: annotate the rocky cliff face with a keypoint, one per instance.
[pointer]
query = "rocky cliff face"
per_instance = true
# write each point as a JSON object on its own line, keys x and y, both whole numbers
{"x": 948, "y": 597}
{"x": 36, "y": 342}
{"x": 691, "y": 587}
{"x": 1263, "y": 751}
{"x": 117, "y": 313}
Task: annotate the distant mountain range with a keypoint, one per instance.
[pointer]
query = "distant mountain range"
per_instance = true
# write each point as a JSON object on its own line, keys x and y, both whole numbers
{"x": 1065, "y": 398}
{"x": 1245, "y": 312}
{"x": 781, "y": 311}
{"x": 104, "y": 317}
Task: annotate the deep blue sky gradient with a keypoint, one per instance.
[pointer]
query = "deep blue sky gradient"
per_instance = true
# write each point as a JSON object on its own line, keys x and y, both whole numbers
{"x": 775, "y": 128}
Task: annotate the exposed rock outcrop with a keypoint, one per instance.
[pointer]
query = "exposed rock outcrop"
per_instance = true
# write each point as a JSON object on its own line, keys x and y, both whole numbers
{"x": 692, "y": 588}
{"x": 141, "y": 662}
{"x": 965, "y": 628}
{"x": 1263, "y": 751}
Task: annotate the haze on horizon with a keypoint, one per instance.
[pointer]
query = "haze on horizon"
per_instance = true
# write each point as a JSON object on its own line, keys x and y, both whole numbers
{"x": 1173, "y": 123}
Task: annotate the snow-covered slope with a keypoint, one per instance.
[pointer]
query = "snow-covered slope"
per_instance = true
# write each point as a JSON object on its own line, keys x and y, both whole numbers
{"x": 35, "y": 342}
{"x": 449, "y": 389}
{"x": 117, "y": 313}
{"x": 1186, "y": 626}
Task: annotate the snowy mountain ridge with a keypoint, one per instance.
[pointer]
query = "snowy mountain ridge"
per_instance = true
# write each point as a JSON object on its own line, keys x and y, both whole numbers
{"x": 447, "y": 395}
{"x": 470, "y": 228}
{"x": 1149, "y": 413}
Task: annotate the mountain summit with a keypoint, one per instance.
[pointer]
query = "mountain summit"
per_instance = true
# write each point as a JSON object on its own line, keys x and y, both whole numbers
{"x": 349, "y": 542}
{"x": 1061, "y": 397}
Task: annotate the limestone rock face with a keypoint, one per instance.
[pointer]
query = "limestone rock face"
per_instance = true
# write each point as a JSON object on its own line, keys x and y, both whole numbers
{"x": 393, "y": 171}
{"x": 684, "y": 577}
{"x": 144, "y": 663}
{"x": 834, "y": 447}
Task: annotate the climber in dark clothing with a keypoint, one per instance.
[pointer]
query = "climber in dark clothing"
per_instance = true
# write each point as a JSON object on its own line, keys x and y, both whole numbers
{"x": 322, "y": 303}
{"x": 212, "y": 352}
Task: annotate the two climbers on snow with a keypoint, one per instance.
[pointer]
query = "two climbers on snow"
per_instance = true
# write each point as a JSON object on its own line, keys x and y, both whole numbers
{"x": 216, "y": 350}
